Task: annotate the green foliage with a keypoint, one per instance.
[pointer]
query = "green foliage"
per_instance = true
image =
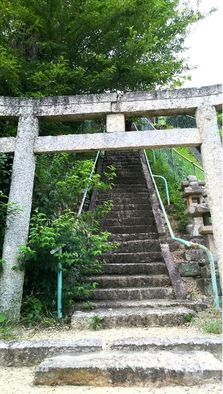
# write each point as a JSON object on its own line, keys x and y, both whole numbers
{"x": 58, "y": 238}
{"x": 96, "y": 322}
{"x": 178, "y": 205}
{"x": 88, "y": 306}
{"x": 6, "y": 328}
{"x": 209, "y": 321}
{"x": 188, "y": 317}
{"x": 9, "y": 208}
{"x": 56, "y": 47}
{"x": 61, "y": 180}
{"x": 80, "y": 246}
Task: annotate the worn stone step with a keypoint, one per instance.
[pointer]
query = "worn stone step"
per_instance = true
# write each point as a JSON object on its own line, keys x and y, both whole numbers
{"x": 133, "y": 317}
{"x": 29, "y": 352}
{"x": 128, "y": 214}
{"x": 129, "y": 180}
{"x": 130, "y": 369}
{"x": 126, "y": 229}
{"x": 127, "y": 189}
{"x": 137, "y": 246}
{"x": 113, "y": 281}
{"x": 132, "y": 221}
{"x": 135, "y": 268}
{"x": 209, "y": 344}
{"x": 117, "y": 200}
{"x": 132, "y": 293}
{"x": 123, "y": 204}
{"x": 132, "y": 207}
{"x": 124, "y": 193}
{"x": 139, "y": 257}
{"x": 121, "y": 161}
{"x": 162, "y": 304}
{"x": 133, "y": 237}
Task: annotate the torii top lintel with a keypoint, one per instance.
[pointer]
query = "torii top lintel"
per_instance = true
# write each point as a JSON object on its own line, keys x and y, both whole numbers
{"x": 160, "y": 102}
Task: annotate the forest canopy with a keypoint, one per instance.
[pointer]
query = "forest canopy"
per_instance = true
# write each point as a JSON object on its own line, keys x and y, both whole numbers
{"x": 60, "y": 47}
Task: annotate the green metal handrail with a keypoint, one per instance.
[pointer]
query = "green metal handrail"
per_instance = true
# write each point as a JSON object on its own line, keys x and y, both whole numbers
{"x": 87, "y": 188}
{"x": 190, "y": 161}
{"x": 209, "y": 254}
{"x": 166, "y": 187}
{"x": 173, "y": 150}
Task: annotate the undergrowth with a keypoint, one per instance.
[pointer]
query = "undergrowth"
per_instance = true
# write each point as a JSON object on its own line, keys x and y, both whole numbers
{"x": 208, "y": 321}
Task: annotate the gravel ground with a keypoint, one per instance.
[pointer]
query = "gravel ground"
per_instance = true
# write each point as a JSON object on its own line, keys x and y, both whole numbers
{"x": 19, "y": 381}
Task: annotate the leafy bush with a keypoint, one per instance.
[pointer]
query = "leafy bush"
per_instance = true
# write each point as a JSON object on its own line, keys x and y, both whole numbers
{"x": 59, "y": 239}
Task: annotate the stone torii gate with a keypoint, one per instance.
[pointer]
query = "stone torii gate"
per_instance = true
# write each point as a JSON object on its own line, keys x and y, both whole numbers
{"x": 202, "y": 102}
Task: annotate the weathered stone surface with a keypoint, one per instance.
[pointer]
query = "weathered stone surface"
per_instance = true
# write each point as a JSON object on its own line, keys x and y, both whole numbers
{"x": 32, "y": 352}
{"x": 119, "y": 281}
{"x": 115, "y": 122}
{"x": 210, "y": 344}
{"x": 135, "y": 268}
{"x": 194, "y": 254}
{"x": 130, "y": 369}
{"x": 17, "y": 227}
{"x": 133, "y": 317}
{"x": 138, "y": 304}
{"x": 7, "y": 144}
{"x": 174, "y": 275}
{"x": 161, "y": 102}
{"x": 212, "y": 158}
{"x": 117, "y": 140}
{"x": 130, "y": 293}
{"x": 189, "y": 269}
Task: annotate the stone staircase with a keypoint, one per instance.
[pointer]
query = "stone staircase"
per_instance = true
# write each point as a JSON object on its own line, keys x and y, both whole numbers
{"x": 134, "y": 288}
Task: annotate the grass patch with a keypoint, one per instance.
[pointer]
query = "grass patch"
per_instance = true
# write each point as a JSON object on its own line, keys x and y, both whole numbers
{"x": 208, "y": 321}
{"x": 7, "y": 328}
{"x": 96, "y": 322}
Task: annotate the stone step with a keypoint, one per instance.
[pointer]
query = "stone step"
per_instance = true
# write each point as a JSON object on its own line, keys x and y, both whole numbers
{"x": 118, "y": 202}
{"x": 122, "y": 161}
{"x": 132, "y": 207}
{"x": 149, "y": 229}
{"x": 113, "y": 281}
{"x": 124, "y": 194}
{"x": 133, "y": 317}
{"x": 130, "y": 369}
{"x": 152, "y": 245}
{"x": 123, "y": 165}
{"x": 132, "y": 221}
{"x": 209, "y": 344}
{"x": 139, "y": 257}
{"x": 150, "y": 304}
{"x": 119, "y": 214}
{"x": 133, "y": 237}
{"x": 129, "y": 180}
{"x": 135, "y": 268}
{"x": 130, "y": 188}
{"x": 26, "y": 353}
{"x": 132, "y": 293}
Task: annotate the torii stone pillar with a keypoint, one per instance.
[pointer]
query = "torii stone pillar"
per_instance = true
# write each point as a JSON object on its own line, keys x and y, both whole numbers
{"x": 212, "y": 158}
{"x": 17, "y": 228}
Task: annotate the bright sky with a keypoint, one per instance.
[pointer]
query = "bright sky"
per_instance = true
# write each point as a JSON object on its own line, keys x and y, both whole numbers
{"x": 205, "y": 46}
